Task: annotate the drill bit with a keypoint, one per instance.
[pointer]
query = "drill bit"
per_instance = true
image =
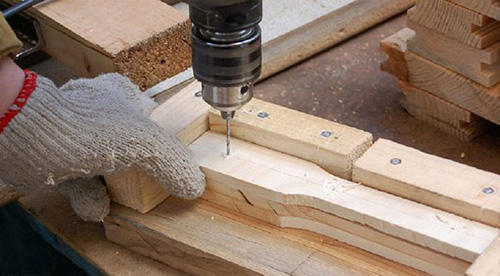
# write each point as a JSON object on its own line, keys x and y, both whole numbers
{"x": 228, "y": 136}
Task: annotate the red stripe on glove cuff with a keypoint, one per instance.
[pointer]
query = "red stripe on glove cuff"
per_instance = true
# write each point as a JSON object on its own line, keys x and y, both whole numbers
{"x": 28, "y": 88}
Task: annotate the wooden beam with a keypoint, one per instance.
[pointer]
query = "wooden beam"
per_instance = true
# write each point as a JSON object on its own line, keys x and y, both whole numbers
{"x": 489, "y": 8}
{"x": 457, "y": 22}
{"x": 445, "y": 116}
{"x": 431, "y": 180}
{"x": 284, "y": 179}
{"x": 332, "y": 146}
{"x": 215, "y": 242}
{"x": 482, "y": 66}
{"x": 96, "y": 36}
{"x": 488, "y": 263}
{"x": 445, "y": 83}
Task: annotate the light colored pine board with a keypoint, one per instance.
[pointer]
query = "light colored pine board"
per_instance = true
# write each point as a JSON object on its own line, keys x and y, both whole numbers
{"x": 445, "y": 116}
{"x": 293, "y": 31}
{"x": 482, "y": 66}
{"x": 284, "y": 179}
{"x": 431, "y": 180}
{"x": 96, "y": 36}
{"x": 297, "y": 134}
{"x": 490, "y": 8}
{"x": 488, "y": 263}
{"x": 355, "y": 234}
{"x": 215, "y": 242}
{"x": 444, "y": 83}
{"x": 457, "y": 22}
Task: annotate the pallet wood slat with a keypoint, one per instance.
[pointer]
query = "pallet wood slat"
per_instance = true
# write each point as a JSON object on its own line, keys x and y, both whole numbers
{"x": 335, "y": 150}
{"x": 482, "y": 66}
{"x": 441, "y": 82}
{"x": 94, "y": 36}
{"x": 441, "y": 114}
{"x": 431, "y": 180}
{"x": 457, "y": 22}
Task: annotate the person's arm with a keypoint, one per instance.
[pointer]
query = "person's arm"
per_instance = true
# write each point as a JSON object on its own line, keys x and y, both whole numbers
{"x": 11, "y": 76}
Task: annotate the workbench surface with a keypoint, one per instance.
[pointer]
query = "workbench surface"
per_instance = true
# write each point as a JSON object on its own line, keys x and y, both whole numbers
{"x": 343, "y": 84}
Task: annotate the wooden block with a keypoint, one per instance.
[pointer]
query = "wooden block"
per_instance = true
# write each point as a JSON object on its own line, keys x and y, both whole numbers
{"x": 489, "y": 8}
{"x": 198, "y": 238}
{"x": 352, "y": 233}
{"x": 488, "y": 263}
{"x": 447, "y": 117}
{"x": 283, "y": 179}
{"x": 457, "y": 22}
{"x": 446, "y": 84}
{"x": 482, "y": 66}
{"x": 136, "y": 190}
{"x": 297, "y": 134}
{"x": 126, "y": 36}
{"x": 395, "y": 46}
{"x": 431, "y": 180}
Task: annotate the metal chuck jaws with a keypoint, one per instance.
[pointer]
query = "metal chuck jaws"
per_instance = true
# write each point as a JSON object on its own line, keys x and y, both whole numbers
{"x": 226, "y": 52}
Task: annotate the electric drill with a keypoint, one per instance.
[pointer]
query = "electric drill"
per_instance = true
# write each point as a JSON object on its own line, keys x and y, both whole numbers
{"x": 227, "y": 56}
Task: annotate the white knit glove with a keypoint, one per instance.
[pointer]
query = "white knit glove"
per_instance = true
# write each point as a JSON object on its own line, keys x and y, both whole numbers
{"x": 91, "y": 127}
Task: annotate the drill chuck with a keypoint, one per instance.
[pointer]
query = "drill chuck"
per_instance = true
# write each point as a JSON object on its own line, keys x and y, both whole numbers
{"x": 227, "y": 54}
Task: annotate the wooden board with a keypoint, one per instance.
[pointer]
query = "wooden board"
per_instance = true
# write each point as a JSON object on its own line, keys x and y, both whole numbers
{"x": 444, "y": 83}
{"x": 489, "y": 8}
{"x": 201, "y": 239}
{"x": 488, "y": 263}
{"x": 293, "y": 31}
{"x": 288, "y": 180}
{"x": 95, "y": 36}
{"x": 431, "y": 180}
{"x": 332, "y": 146}
{"x": 482, "y": 66}
{"x": 457, "y": 22}
{"x": 445, "y": 116}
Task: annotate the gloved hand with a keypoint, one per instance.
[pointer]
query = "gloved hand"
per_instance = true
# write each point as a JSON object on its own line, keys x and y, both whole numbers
{"x": 89, "y": 127}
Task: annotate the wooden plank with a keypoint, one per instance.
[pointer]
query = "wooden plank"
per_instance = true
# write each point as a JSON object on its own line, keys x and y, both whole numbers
{"x": 355, "y": 234}
{"x": 482, "y": 66}
{"x": 446, "y": 84}
{"x": 219, "y": 242}
{"x": 129, "y": 39}
{"x": 445, "y": 116}
{"x": 284, "y": 179}
{"x": 457, "y": 22}
{"x": 431, "y": 180}
{"x": 332, "y": 146}
{"x": 488, "y": 263}
{"x": 293, "y": 31}
{"x": 489, "y": 8}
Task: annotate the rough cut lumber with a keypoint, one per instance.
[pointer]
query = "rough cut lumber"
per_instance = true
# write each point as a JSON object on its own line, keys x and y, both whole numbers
{"x": 488, "y": 263}
{"x": 216, "y": 242}
{"x": 431, "y": 180}
{"x": 444, "y": 83}
{"x": 490, "y": 8}
{"x": 482, "y": 66}
{"x": 297, "y": 134}
{"x": 148, "y": 41}
{"x": 284, "y": 179}
{"x": 454, "y": 21}
{"x": 293, "y": 31}
{"x": 441, "y": 114}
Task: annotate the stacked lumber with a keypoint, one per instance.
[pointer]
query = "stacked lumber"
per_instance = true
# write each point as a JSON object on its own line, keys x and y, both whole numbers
{"x": 447, "y": 61}
{"x": 381, "y": 197}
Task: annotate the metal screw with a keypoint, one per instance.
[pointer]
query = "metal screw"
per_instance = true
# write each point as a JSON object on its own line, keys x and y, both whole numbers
{"x": 396, "y": 161}
{"x": 197, "y": 94}
{"x": 488, "y": 190}
{"x": 262, "y": 114}
{"x": 326, "y": 133}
